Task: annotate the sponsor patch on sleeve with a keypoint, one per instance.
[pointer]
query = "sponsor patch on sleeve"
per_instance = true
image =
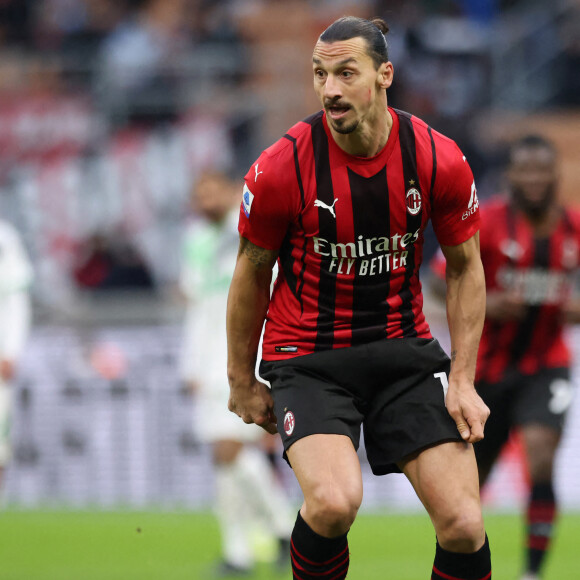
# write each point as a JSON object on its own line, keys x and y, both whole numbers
{"x": 247, "y": 199}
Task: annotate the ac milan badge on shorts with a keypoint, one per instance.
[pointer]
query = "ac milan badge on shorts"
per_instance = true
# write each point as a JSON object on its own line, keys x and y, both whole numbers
{"x": 289, "y": 423}
{"x": 413, "y": 201}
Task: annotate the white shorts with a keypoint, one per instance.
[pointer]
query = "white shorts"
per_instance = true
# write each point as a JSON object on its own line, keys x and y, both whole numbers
{"x": 5, "y": 416}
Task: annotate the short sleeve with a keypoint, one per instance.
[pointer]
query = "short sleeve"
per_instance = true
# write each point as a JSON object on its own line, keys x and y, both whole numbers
{"x": 455, "y": 207}
{"x": 268, "y": 201}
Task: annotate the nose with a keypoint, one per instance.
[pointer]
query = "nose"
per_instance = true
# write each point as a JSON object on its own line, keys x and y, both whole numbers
{"x": 332, "y": 88}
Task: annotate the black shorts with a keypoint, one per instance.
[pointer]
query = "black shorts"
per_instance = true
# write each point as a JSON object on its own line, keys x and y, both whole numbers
{"x": 393, "y": 388}
{"x": 520, "y": 399}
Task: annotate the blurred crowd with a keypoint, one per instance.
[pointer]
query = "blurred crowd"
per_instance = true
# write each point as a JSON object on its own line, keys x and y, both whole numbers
{"x": 110, "y": 109}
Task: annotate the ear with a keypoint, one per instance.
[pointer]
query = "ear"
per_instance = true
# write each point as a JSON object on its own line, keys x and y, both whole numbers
{"x": 385, "y": 75}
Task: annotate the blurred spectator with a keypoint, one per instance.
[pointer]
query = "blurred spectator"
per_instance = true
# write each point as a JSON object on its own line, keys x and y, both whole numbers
{"x": 15, "y": 22}
{"x": 110, "y": 263}
{"x": 15, "y": 314}
{"x": 80, "y": 45}
{"x": 570, "y": 60}
{"x": 143, "y": 58}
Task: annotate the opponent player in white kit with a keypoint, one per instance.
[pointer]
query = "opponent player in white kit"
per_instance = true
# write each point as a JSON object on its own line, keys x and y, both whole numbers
{"x": 15, "y": 280}
{"x": 246, "y": 490}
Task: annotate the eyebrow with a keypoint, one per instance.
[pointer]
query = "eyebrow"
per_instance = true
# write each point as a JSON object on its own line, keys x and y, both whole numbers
{"x": 341, "y": 63}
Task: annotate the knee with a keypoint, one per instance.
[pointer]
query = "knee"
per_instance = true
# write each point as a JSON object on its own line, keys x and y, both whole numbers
{"x": 462, "y": 531}
{"x": 331, "y": 511}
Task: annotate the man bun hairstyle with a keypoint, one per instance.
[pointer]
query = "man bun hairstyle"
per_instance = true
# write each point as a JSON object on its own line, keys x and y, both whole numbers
{"x": 372, "y": 31}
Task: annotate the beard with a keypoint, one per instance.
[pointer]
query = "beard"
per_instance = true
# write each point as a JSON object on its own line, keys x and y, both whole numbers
{"x": 343, "y": 129}
{"x": 535, "y": 208}
{"x": 340, "y": 125}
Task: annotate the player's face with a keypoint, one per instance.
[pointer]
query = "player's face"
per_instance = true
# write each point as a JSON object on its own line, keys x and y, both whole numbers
{"x": 213, "y": 197}
{"x": 347, "y": 83}
{"x": 533, "y": 177}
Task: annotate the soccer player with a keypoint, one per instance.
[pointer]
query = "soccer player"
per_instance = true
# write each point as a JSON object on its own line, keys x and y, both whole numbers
{"x": 15, "y": 316}
{"x": 341, "y": 203}
{"x": 247, "y": 492}
{"x": 530, "y": 248}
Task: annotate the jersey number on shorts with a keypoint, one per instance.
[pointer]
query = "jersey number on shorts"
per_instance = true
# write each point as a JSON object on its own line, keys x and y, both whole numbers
{"x": 444, "y": 383}
{"x": 562, "y": 395}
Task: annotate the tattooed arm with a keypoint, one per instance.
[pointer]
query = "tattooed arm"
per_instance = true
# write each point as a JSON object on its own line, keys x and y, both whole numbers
{"x": 465, "y": 314}
{"x": 248, "y": 301}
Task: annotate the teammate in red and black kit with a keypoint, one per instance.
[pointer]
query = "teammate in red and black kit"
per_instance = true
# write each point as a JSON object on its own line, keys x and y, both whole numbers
{"x": 530, "y": 251}
{"x": 342, "y": 201}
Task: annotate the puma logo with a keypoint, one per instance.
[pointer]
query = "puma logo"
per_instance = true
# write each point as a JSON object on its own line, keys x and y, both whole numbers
{"x": 257, "y": 172}
{"x": 330, "y": 208}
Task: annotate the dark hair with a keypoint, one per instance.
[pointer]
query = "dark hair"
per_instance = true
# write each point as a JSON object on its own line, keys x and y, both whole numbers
{"x": 372, "y": 31}
{"x": 531, "y": 141}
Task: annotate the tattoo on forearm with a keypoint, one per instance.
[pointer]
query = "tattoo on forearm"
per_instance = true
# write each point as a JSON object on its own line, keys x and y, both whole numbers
{"x": 453, "y": 356}
{"x": 258, "y": 256}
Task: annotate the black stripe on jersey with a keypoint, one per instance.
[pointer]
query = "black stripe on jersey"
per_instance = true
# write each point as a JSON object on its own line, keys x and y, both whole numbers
{"x": 311, "y": 119}
{"x": 434, "y": 170}
{"x": 286, "y": 260}
{"x": 525, "y": 331}
{"x": 369, "y": 300}
{"x": 409, "y": 156}
{"x": 327, "y": 230}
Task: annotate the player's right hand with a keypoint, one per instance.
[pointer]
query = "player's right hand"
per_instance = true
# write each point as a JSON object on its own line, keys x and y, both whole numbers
{"x": 254, "y": 404}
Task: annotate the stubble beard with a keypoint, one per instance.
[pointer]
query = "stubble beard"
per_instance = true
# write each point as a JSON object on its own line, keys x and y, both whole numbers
{"x": 339, "y": 127}
{"x": 538, "y": 208}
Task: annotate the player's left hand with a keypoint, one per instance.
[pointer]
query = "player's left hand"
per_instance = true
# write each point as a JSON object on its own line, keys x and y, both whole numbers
{"x": 467, "y": 409}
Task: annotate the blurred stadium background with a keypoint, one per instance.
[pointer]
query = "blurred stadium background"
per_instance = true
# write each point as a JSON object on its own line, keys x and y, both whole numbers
{"x": 109, "y": 109}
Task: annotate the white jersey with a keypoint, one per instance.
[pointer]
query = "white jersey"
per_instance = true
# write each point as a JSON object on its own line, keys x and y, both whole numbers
{"x": 209, "y": 260}
{"x": 208, "y": 265}
{"x": 15, "y": 280}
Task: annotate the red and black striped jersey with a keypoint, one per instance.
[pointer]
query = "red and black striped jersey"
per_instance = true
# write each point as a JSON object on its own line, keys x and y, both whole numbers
{"x": 540, "y": 271}
{"x": 349, "y": 231}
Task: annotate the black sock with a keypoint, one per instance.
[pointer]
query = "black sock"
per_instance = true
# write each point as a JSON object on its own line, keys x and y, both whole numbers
{"x": 476, "y": 566}
{"x": 540, "y": 523}
{"x": 316, "y": 557}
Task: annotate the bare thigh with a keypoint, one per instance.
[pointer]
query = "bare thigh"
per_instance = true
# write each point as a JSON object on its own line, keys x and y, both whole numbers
{"x": 328, "y": 471}
{"x": 446, "y": 481}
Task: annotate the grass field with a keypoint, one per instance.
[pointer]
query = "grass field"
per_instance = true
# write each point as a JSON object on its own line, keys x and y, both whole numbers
{"x": 181, "y": 546}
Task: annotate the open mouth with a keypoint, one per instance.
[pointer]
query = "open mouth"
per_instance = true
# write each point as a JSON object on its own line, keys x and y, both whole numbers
{"x": 337, "y": 112}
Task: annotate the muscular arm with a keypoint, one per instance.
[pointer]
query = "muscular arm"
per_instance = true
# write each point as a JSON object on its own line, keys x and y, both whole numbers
{"x": 571, "y": 309}
{"x": 465, "y": 315}
{"x": 248, "y": 301}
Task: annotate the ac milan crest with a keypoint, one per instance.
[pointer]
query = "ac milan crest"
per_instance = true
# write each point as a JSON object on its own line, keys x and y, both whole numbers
{"x": 413, "y": 201}
{"x": 289, "y": 423}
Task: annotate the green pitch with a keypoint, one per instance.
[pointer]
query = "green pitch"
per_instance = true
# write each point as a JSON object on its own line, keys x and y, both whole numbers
{"x": 182, "y": 546}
